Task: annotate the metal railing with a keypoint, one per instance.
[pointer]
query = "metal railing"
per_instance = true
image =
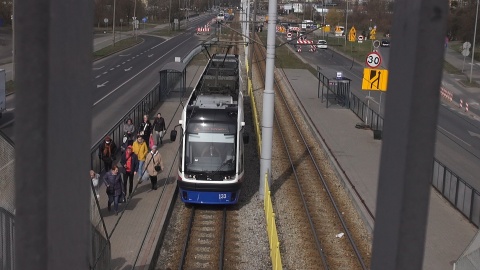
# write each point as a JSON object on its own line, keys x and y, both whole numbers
{"x": 456, "y": 190}
{"x": 7, "y": 202}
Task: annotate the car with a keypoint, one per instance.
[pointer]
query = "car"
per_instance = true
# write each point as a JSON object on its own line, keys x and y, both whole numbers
{"x": 322, "y": 44}
{"x": 385, "y": 43}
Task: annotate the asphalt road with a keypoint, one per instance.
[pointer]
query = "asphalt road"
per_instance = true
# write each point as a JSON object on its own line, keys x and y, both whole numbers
{"x": 121, "y": 80}
{"x": 458, "y": 136}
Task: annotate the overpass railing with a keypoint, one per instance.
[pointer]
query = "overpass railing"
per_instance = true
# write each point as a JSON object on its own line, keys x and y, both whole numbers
{"x": 456, "y": 190}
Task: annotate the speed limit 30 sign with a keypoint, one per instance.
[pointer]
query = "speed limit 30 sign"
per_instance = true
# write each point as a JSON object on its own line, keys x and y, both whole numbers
{"x": 373, "y": 60}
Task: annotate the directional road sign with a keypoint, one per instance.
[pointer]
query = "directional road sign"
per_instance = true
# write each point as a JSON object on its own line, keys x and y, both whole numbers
{"x": 375, "y": 79}
{"x": 373, "y": 60}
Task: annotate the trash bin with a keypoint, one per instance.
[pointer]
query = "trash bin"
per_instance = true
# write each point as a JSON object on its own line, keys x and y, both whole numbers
{"x": 377, "y": 134}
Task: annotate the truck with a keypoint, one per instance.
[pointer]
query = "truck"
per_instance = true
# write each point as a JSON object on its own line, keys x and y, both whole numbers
{"x": 3, "y": 81}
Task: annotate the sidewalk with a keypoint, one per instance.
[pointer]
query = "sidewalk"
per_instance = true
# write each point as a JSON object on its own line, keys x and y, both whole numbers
{"x": 137, "y": 230}
{"x": 358, "y": 156}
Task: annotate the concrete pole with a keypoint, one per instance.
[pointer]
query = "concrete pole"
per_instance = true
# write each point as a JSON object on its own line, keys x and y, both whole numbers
{"x": 250, "y": 58}
{"x": 53, "y": 109}
{"x": 408, "y": 145}
{"x": 474, "y": 38}
{"x": 268, "y": 99}
{"x": 247, "y": 30}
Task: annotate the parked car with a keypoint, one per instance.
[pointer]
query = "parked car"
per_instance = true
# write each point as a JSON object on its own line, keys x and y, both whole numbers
{"x": 322, "y": 44}
{"x": 385, "y": 43}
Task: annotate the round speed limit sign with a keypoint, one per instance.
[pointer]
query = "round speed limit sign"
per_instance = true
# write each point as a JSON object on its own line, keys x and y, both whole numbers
{"x": 373, "y": 60}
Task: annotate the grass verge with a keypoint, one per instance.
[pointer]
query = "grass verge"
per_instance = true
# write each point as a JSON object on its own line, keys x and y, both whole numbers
{"x": 119, "y": 46}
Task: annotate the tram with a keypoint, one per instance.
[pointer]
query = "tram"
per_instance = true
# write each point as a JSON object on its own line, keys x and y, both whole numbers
{"x": 211, "y": 165}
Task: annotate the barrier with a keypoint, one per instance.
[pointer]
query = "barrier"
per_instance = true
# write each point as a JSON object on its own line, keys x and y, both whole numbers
{"x": 444, "y": 93}
{"x": 203, "y": 30}
{"x": 271, "y": 228}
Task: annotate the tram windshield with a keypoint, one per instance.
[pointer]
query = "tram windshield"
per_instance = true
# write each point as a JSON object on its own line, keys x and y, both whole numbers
{"x": 210, "y": 148}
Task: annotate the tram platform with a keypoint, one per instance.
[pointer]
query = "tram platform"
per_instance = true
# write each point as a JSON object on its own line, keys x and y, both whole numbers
{"x": 358, "y": 156}
{"x": 136, "y": 230}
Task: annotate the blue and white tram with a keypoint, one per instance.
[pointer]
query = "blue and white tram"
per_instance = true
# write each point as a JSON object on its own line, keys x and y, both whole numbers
{"x": 211, "y": 165}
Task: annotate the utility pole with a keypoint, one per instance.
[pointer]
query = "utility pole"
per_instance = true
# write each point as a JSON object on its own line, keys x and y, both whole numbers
{"x": 474, "y": 37}
{"x": 252, "y": 37}
{"x": 114, "y": 2}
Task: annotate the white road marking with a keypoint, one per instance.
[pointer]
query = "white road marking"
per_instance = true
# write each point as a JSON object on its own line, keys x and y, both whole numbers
{"x": 124, "y": 54}
{"x": 131, "y": 78}
{"x": 150, "y": 55}
{"x": 105, "y": 72}
{"x": 473, "y": 134}
{"x": 102, "y": 85}
{"x": 98, "y": 68}
{"x": 118, "y": 66}
{"x": 128, "y": 69}
{"x": 449, "y": 133}
{"x": 98, "y": 76}
{"x": 112, "y": 68}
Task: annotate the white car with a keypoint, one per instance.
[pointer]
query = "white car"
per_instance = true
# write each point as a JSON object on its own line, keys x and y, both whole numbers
{"x": 322, "y": 44}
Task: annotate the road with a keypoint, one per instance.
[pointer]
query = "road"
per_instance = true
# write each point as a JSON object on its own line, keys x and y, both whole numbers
{"x": 121, "y": 80}
{"x": 458, "y": 136}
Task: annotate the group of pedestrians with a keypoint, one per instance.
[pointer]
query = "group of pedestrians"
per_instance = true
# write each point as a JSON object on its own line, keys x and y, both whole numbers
{"x": 137, "y": 158}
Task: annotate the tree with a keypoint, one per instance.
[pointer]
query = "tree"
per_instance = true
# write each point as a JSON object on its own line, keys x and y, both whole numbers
{"x": 334, "y": 17}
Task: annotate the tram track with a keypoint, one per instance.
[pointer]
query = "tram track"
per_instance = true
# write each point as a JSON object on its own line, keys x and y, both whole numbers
{"x": 204, "y": 245}
{"x": 319, "y": 219}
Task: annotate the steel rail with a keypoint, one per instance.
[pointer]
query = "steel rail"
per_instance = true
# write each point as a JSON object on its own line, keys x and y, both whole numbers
{"x": 327, "y": 189}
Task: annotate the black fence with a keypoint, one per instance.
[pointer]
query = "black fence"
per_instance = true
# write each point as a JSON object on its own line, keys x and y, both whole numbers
{"x": 456, "y": 190}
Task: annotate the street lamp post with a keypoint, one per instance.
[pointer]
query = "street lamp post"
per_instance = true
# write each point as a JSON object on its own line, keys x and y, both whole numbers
{"x": 346, "y": 27}
{"x": 121, "y": 26}
{"x": 474, "y": 37}
{"x": 114, "y": 2}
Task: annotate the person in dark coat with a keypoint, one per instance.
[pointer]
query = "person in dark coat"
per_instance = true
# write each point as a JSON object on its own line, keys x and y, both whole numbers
{"x": 113, "y": 182}
{"x": 159, "y": 128}
{"x": 106, "y": 152}
{"x": 129, "y": 162}
{"x": 145, "y": 128}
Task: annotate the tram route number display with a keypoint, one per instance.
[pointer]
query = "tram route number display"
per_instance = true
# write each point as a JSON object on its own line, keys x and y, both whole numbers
{"x": 373, "y": 60}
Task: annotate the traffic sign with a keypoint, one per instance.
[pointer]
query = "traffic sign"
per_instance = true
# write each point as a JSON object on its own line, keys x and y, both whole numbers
{"x": 375, "y": 79}
{"x": 373, "y": 60}
{"x": 466, "y": 52}
{"x": 360, "y": 39}
{"x": 352, "y": 34}
{"x": 466, "y": 45}
{"x": 105, "y": 20}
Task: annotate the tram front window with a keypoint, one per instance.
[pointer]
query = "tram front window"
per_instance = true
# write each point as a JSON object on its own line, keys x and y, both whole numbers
{"x": 207, "y": 152}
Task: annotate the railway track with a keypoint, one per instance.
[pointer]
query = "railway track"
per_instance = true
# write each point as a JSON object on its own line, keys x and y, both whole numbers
{"x": 323, "y": 235}
{"x": 205, "y": 242}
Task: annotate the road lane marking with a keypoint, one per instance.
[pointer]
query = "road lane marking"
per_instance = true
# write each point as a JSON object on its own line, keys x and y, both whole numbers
{"x": 102, "y": 85}
{"x": 451, "y": 134}
{"x": 127, "y": 69}
{"x": 131, "y": 78}
{"x": 98, "y": 68}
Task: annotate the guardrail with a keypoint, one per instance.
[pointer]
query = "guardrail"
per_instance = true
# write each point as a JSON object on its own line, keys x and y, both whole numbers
{"x": 456, "y": 190}
{"x": 271, "y": 228}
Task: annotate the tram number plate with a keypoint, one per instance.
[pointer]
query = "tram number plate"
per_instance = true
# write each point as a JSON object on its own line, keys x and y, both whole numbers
{"x": 222, "y": 196}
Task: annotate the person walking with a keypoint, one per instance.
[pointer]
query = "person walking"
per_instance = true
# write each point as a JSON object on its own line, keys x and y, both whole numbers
{"x": 159, "y": 128}
{"x": 106, "y": 152}
{"x": 154, "y": 165}
{"x": 140, "y": 149}
{"x": 145, "y": 128}
{"x": 94, "y": 177}
{"x": 129, "y": 162}
{"x": 129, "y": 131}
{"x": 113, "y": 182}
